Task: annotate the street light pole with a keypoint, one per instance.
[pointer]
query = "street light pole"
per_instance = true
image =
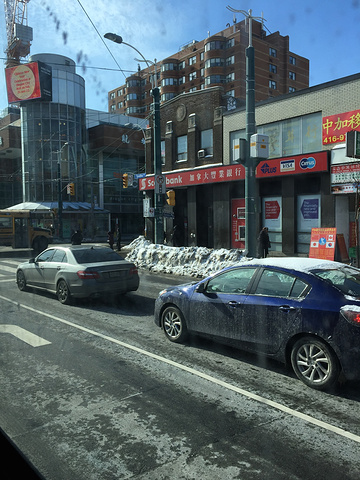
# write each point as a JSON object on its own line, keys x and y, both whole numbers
{"x": 60, "y": 203}
{"x": 158, "y": 202}
{"x": 251, "y": 187}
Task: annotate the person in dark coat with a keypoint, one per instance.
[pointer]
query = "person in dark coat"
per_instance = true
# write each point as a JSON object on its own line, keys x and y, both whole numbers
{"x": 118, "y": 239}
{"x": 264, "y": 242}
{"x": 76, "y": 238}
{"x": 111, "y": 239}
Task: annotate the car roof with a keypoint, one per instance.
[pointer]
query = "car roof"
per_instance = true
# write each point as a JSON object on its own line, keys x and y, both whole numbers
{"x": 302, "y": 264}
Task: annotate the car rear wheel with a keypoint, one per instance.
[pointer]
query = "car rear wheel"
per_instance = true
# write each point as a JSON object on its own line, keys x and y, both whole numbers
{"x": 174, "y": 324}
{"x": 315, "y": 363}
{"x": 63, "y": 293}
{"x": 21, "y": 281}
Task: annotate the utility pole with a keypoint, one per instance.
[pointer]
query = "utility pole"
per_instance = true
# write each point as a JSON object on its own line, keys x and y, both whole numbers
{"x": 250, "y": 163}
{"x": 155, "y": 92}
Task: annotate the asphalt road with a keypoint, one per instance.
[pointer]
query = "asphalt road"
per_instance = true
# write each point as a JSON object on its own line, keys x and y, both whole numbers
{"x": 94, "y": 391}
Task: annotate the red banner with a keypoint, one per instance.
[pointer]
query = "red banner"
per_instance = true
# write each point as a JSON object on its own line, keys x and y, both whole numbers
{"x": 315, "y": 162}
{"x": 334, "y": 127}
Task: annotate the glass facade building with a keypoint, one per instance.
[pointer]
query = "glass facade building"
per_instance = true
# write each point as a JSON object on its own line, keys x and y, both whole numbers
{"x": 54, "y": 134}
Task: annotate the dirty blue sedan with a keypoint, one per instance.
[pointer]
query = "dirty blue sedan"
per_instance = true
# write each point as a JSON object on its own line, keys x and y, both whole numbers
{"x": 78, "y": 272}
{"x": 301, "y": 311}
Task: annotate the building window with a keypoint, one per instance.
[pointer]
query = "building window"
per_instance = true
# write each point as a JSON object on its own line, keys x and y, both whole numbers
{"x": 272, "y": 52}
{"x": 192, "y": 76}
{"x": 182, "y": 148}
{"x": 167, "y": 96}
{"x": 230, "y": 60}
{"x": 201, "y": 56}
{"x": 272, "y": 68}
{"x": 192, "y": 60}
{"x": 120, "y": 105}
{"x": 133, "y": 83}
{"x": 230, "y": 43}
{"x": 231, "y": 93}
{"x": 202, "y": 72}
{"x": 163, "y": 152}
{"x": 230, "y": 77}
{"x": 132, "y": 96}
{"x": 214, "y": 62}
{"x": 181, "y": 80}
{"x": 214, "y": 79}
{"x": 181, "y": 65}
{"x": 119, "y": 92}
{"x": 193, "y": 89}
{"x": 207, "y": 141}
{"x": 169, "y": 81}
{"x": 168, "y": 66}
{"x": 112, "y": 95}
{"x": 291, "y": 89}
{"x": 272, "y": 84}
{"x": 112, "y": 108}
{"x": 292, "y": 60}
{"x": 292, "y": 75}
{"x": 214, "y": 45}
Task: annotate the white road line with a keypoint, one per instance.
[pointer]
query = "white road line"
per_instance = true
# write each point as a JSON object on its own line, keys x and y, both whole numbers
{"x": 4, "y": 268}
{"x": 12, "y": 262}
{"x": 241, "y": 391}
{"x": 24, "y": 335}
{"x": 7, "y": 280}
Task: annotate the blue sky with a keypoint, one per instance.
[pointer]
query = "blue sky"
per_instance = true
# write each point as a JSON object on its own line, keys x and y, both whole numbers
{"x": 325, "y": 32}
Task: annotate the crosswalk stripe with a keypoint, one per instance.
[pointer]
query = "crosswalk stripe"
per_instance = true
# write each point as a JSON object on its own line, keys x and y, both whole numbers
{"x": 4, "y": 268}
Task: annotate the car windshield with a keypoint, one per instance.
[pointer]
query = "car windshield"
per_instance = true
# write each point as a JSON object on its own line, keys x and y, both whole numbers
{"x": 96, "y": 255}
{"x": 346, "y": 279}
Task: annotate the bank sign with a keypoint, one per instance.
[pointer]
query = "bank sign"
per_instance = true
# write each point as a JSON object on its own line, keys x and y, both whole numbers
{"x": 201, "y": 176}
{"x": 315, "y": 162}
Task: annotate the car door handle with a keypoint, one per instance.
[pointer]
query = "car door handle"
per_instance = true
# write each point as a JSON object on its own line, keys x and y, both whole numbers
{"x": 232, "y": 303}
{"x": 286, "y": 308}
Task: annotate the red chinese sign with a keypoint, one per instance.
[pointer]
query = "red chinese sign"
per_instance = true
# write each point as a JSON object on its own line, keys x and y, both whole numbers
{"x": 322, "y": 243}
{"x": 334, "y": 128}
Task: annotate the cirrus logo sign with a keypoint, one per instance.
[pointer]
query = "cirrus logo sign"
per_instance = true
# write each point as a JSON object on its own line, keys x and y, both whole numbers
{"x": 309, "y": 162}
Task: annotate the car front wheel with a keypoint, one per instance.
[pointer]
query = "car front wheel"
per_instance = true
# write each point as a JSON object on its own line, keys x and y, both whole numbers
{"x": 20, "y": 280}
{"x": 315, "y": 363}
{"x": 63, "y": 293}
{"x": 174, "y": 324}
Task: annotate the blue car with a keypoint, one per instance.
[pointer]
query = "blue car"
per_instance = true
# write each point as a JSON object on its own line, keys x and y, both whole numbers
{"x": 301, "y": 311}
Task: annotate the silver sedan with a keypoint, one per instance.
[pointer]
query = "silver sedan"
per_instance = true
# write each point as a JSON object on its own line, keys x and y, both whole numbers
{"x": 77, "y": 272}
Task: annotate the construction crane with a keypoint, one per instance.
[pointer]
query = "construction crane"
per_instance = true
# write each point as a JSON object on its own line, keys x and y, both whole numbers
{"x": 19, "y": 34}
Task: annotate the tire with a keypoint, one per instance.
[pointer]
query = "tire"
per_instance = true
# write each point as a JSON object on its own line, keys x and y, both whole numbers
{"x": 21, "y": 281}
{"x": 174, "y": 325}
{"x": 63, "y": 293}
{"x": 315, "y": 363}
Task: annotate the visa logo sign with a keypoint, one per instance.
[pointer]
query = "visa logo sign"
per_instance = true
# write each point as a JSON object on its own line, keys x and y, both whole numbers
{"x": 287, "y": 166}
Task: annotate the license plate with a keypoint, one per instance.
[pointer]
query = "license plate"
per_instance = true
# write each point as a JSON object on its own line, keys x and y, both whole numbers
{"x": 115, "y": 273}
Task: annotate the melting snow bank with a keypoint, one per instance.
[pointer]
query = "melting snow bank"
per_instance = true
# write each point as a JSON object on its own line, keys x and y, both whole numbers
{"x": 192, "y": 261}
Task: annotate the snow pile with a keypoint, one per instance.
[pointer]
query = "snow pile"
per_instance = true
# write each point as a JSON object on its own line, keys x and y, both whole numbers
{"x": 192, "y": 261}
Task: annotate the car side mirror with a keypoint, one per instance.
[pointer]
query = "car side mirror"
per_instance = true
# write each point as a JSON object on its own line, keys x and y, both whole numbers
{"x": 32, "y": 260}
{"x": 201, "y": 288}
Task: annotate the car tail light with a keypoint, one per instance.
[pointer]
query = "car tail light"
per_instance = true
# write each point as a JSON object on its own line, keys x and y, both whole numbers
{"x": 351, "y": 313}
{"x": 133, "y": 271}
{"x": 87, "y": 274}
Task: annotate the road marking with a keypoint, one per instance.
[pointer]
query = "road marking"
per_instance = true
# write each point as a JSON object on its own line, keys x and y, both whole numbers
{"x": 252, "y": 396}
{"x": 7, "y": 269}
{"x": 24, "y": 335}
{"x": 7, "y": 280}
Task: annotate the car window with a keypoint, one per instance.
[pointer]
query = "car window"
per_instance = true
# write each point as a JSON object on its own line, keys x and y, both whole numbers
{"x": 299, "y": 289}
{"x": 232, "y": 281}
{"x": 45, "y": 256}
{"x": 59, "y": 256}
{"x": 346, "y": 279}
{"x": 278, "y": 284}
{"x": 96, "y": 255}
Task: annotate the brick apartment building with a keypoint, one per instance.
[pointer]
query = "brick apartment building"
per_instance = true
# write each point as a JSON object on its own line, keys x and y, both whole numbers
{"x": 217, "y": 60}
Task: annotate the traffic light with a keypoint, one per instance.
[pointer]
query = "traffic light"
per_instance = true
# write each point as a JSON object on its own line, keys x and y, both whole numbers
{"x": 170, "y": 197}
{"x": 125, "y": 180}
{"x": 71, "y": 189}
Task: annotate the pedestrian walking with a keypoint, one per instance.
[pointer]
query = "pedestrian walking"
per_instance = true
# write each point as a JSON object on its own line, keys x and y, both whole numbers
{"x": 111, "y": 239}
{"x": 264, "y": 242}
{"x": 118, "y": 239}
